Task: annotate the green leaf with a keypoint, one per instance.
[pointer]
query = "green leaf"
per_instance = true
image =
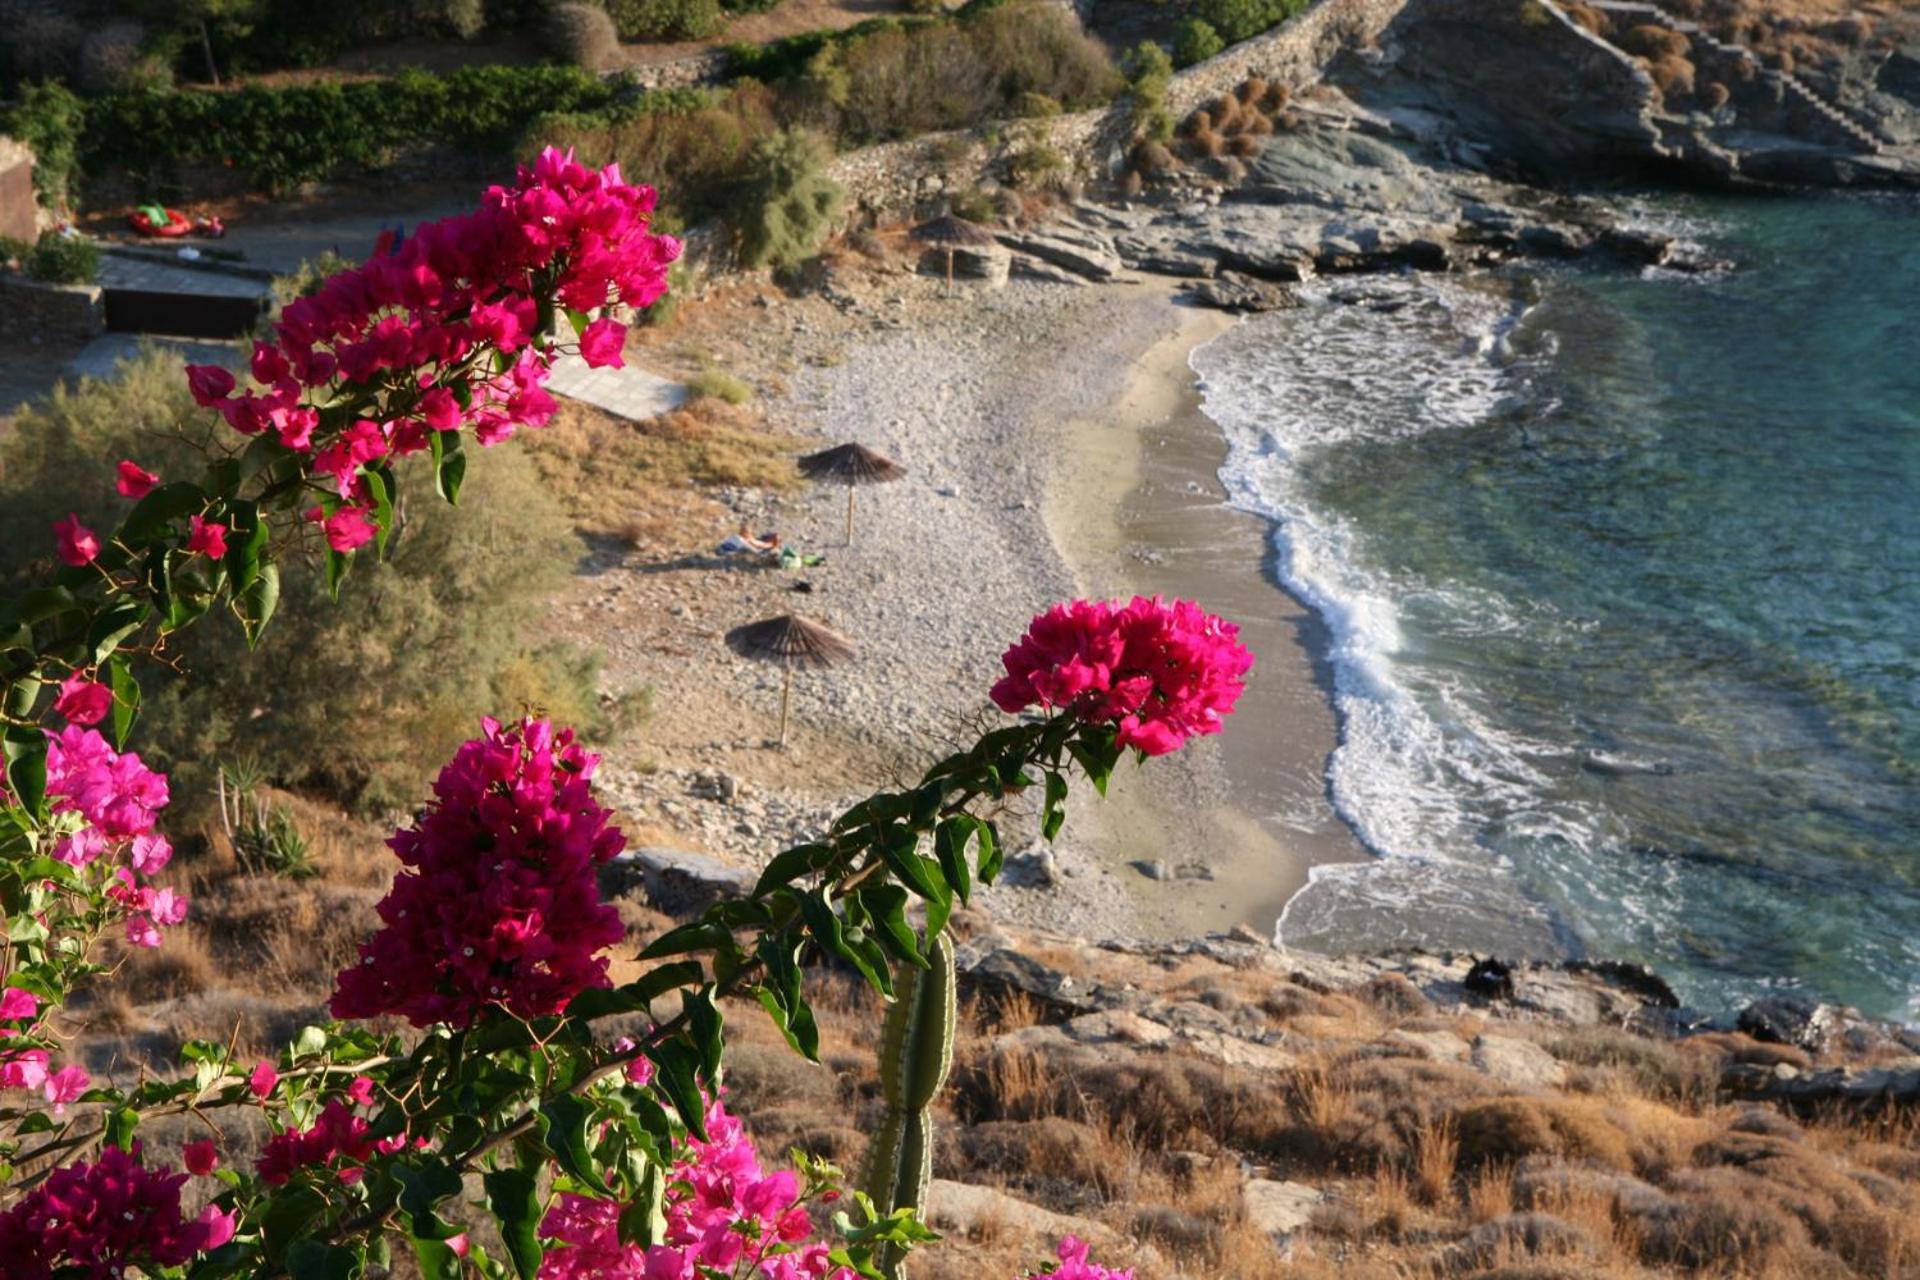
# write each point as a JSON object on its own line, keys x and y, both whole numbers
{"x": 21, "y": 695}
{"x": 1053, "y": 814}
{"x": 782, "y": 996}
{"x": 287, "y": 1217}
{"x": 644, "y": 1221}
{"x": 570, "y": 1137}
{"x": 514, "y": 1199}
{"x": 247, "y": 536}
{"x": 120, "y": 1126}
{"x": 679, "y": 1065}
{"x": 258, "y": 601}
{"x": 337, "y": 564}
{"x": 25, "y": 749}
{"x": 449, "y": 465}
{"x": 708, "y": 1032}
{"x": 790, "y": 865}
{"x": 888, "y": 905}
{"x": 126, "y": 697}
{"x": 991, "y": 855}
{"x": 1098, "y": 759}
{"x": 950, "y": 851}
{"x": 380, "y": 488}
{"x": 827, "y": 929}
{"x": 422, "y": 1189}
{"x": 153, "y": 516}
{"x": 112, "y": 625}
{"x": 312, "y": 1260}
{"x": 700, "y": 935}
{"x": 898, "y": 849}
{"x": 635, "y": 996}
{"x": 578, "y": 319}
{"x": 438, "y": 1261}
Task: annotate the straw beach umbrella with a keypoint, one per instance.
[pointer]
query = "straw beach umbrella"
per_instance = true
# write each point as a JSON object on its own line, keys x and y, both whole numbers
{"x": 851, "y": 465}
{"x": 951, "y": 233}
{"x": 792, "y": 642}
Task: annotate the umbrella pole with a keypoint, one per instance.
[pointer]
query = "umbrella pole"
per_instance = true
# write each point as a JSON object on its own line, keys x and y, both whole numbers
{"x": 786, "y": 698}
{"x": 949, "y": 270}
{"x": 849, "y": 515}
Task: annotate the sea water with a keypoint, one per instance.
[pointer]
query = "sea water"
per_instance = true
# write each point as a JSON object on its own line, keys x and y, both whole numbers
{"x": 1622, "y": 572}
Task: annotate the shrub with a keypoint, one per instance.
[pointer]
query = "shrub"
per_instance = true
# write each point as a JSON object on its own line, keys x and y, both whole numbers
{"x": 1149, "y": 73}
{"x": 1673, "y": 77}
{"x": 416, "y": 648}
{"x": 1035, "y": 106}
{"x": 63, "y": 259}
{"x": 1651, "y": 40}
{"x": 1237, "y": 20}
{"x": 466, "y": 18}
{"x": 721, "y": 385}
{"x": 50, "y": 119}
{"x": 666, "y": 19}
{"x": 112, "y": 61}
{"x": 286, "y": 136}
{"x": 787, "y": 202}
{"x": 1196, "y": 41}
{"x": 582, "y": 34}
{"x": 1037, "y": 165}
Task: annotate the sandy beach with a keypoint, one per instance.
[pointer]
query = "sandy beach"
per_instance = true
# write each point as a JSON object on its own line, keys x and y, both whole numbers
{"x": 1055, "y": 448}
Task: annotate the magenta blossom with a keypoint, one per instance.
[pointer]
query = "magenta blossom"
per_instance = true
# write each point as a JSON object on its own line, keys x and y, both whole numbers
{"x": 16, "y": 1004}
{"x": 1073, "y": 1265}
{"x": 347, "y": 529}
{"x": 262, "y": 1080}
{"x": 499, "y": 905}
{"x": 209, "y": 383}
{"x": 134, "y": 480}
{"x": 83, "y": 701}
{"x": 1160, "y": 673}
{"x": 76, "y": 544}
{"x": 207, "y": 537}
{"x": 602, "y": 344}
{"x": 94, "y": 1221}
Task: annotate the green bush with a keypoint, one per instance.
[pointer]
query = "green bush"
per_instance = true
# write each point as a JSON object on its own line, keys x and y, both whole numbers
{"x": 64, "y": 259}
{"x": 355, "y": 700}
{"x": 787, "y": 202}
{"x": 666, "y": 19}
{"x": 51, "y": 119}
{"x": 1237, "y": 20}
{"x": 283, "y": 137}
{"x": 582, "y": 35}
{"x": 719, "y": 384}
{"x": 1149, "y": 75}
{"x": 1196, "y": 41}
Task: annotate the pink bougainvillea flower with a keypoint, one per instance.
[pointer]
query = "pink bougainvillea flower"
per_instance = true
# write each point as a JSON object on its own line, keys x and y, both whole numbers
{"x": 150, "y": 853}
{"x": 209, "y": 383}
{"x": 97, "y": 1221}
{"x": 16, "y": 1004}
{"x": 338, "y": 1140}
{"x": 65, "y": 1086}
{"x": 207, "y": 537}
{"x": 439, "y": 410}
{"x": 1159, "y": 673}
{"x": 361, "y": 1091}
{"x": 602, "y": 344}
{"x": 135, "y": 481}
{"x": 76, "y": 544}
{"x": 112, "y": 790}
{"x": 83, "y": 701}
{"x": 263, "y": 1080}
{"x": 23, "y": 1069}
{"x": 347, "y": 529}
{"x": 1073, "y": 1265}
{"x": 499, "y": 905}
{"x": 201, "y": 1157}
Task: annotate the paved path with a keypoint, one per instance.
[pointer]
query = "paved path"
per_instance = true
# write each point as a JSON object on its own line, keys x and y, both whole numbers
{"x": 630, "y": 393}
{"x": 101, "y": 357}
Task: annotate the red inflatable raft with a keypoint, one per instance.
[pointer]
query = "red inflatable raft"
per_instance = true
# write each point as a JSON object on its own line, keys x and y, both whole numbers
{"x": 176, "y": 223}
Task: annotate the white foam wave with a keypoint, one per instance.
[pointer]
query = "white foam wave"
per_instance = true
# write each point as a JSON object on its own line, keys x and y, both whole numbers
{"x": 1416, "y": 774}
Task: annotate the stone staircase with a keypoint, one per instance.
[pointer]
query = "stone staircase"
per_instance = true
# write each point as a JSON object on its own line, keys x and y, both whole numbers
{"x": 1806, "y": 112}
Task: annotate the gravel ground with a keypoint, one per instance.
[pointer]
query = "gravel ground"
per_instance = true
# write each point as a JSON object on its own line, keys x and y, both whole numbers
{"x": 973, "y": 393}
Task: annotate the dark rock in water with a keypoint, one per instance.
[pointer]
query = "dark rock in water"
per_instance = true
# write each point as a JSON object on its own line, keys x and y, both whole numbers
{"x": 1232, "y": 291}
{"x": 1794, "y": 1020}
{"x": 1489, "y": 980}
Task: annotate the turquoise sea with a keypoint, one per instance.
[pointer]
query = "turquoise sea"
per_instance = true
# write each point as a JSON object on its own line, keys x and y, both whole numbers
{"x": 1623, "y": 575}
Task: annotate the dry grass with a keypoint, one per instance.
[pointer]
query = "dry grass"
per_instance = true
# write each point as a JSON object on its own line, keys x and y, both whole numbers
{"x": 638, "y": 481}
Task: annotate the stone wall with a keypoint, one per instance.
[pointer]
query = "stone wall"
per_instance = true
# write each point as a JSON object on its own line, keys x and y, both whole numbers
{"x": 33, "y": 311}
{"x": 683, "y": 73}
{"x": 901, "y": 179}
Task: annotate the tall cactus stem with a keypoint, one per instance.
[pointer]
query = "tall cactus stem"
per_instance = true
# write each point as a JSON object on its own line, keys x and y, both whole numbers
{"x": 916, "y": 1052}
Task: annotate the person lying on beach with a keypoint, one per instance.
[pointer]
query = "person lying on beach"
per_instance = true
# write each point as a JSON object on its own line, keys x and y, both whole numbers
{"x": 744, "y": 543}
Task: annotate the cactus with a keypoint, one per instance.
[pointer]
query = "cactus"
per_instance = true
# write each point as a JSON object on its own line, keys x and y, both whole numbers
{"x": 916, "y": 1051}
